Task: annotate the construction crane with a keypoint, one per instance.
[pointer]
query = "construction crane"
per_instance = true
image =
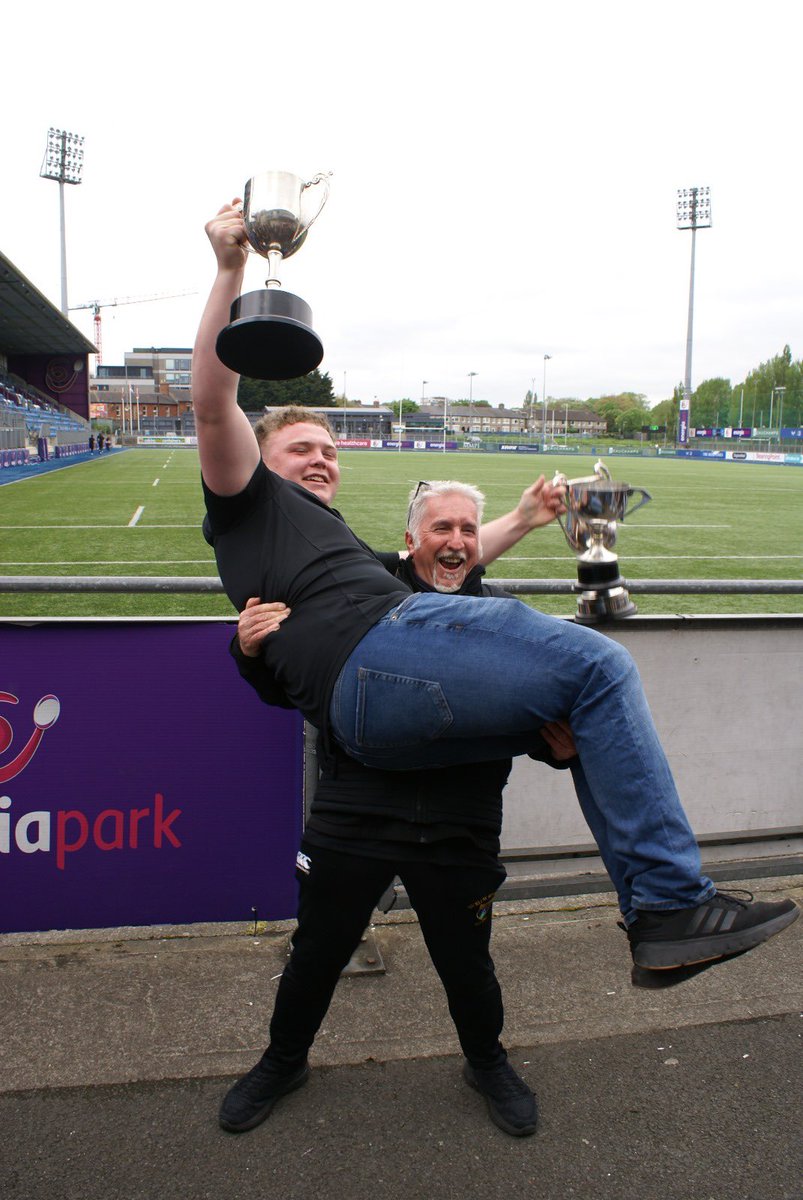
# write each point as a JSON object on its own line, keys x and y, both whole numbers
{"x": 97, "y": 305}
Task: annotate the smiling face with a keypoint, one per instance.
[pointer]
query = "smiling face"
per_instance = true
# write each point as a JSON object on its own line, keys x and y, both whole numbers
{"x": 446, "y": 545}
{"x": 304, "y": 453}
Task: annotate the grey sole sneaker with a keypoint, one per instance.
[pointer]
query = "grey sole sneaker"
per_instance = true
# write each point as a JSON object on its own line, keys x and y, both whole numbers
{"x": 719, "y": 928}
{"x": 643, "y": 977}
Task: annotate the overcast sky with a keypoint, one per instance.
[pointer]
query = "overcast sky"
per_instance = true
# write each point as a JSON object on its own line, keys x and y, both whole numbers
{"x": 505, "y": 179}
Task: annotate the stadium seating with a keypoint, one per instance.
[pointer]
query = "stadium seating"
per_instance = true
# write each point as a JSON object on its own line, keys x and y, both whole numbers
{"x": 22, "y": 407}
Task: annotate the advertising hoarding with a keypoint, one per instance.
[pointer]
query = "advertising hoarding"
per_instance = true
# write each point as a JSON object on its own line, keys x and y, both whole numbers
{"x": 141, "y": 780}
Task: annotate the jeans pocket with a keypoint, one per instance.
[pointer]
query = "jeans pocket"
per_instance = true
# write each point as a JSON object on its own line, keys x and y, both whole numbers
{"x": 395, "y": 711}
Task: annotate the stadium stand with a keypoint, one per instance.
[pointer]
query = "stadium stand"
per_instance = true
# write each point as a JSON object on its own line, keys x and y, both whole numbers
{"x": 44, "y": 376}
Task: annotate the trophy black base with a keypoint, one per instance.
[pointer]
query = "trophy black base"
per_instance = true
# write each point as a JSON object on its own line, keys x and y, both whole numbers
{"x": 270, "y": 336}
{"x": 603, "y": 593}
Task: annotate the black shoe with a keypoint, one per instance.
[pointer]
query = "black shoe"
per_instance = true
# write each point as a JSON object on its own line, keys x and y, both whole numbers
{"x": 720, "y": 927}
{"x": 251, "y": 1099}
{"x": 511, "y": 1104}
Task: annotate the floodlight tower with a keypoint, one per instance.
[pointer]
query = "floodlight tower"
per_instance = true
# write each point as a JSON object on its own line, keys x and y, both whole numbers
{"x": 543, "y": 401}
{"x": 694, "y": 212}
{"x": 63, "y": 161}
{"x": 472, "y": 375}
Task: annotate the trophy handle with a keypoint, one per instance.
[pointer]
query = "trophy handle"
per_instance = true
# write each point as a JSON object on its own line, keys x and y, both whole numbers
{"x": 320, "y": 178}
{"x": 645, "y": 497}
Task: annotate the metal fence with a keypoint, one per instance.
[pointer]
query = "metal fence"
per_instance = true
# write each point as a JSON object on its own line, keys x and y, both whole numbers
{"x": 210, "y": 584}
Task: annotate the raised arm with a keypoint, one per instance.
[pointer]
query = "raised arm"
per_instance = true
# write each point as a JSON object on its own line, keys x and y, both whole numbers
{"x": 226, "y": 443}
{"x": 540, "y": 503}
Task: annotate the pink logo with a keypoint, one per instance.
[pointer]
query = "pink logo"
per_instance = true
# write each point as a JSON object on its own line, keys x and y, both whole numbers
{"x": 45, "y": 714}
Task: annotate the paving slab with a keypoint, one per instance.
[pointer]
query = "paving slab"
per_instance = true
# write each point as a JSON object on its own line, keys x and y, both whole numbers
{"x": 118, "y": 1045}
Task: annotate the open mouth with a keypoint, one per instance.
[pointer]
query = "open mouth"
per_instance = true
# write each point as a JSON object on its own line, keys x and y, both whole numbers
{"x": 450, "y": 572}
{"x": 451, "y": 563}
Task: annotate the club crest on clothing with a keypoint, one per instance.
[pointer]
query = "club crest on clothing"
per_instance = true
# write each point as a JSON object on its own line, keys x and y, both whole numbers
{"x": 482, "y": 907}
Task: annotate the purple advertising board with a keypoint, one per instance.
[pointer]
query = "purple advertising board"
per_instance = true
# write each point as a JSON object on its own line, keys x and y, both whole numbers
{"x": 63, "y": 377}
{"x": 142, "y": 781}
{"x": 683, "y": 422}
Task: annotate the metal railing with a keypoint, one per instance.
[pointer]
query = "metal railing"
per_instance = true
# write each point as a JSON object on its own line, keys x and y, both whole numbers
{"x": 210, "y": 584}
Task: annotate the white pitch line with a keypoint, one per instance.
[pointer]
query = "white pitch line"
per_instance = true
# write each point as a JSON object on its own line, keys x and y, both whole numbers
{"x": 115, "y": 562}
{"x": 644, "y": 525}
{"x": 197, "y": 525}
{"x": 671, "y": 558}
{"x": 155, "y": 482}
{"x": 67, "y": 528}
{"x": 136, "y": 515}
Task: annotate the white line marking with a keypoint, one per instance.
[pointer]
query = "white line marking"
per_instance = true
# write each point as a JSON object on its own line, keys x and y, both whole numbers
{"x": 67, "y": 528}
{"x": 671, "y": 558}
{"x": 644, "y": 525}
{"x": 155, "y": 482}
{"x": 113, "y": 562}
{"x": 136, "y": 515}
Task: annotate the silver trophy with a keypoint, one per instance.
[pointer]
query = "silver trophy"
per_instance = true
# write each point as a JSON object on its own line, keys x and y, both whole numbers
{"x": 594, "y": 504}
{"x": 271, "y": 334}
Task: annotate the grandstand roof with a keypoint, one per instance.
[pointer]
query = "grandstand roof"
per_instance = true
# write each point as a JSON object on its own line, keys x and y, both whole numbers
{"x": 29, "y": 323}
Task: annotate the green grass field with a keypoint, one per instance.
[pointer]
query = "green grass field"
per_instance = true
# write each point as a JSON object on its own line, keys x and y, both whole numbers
{"x": 707, "y": 520}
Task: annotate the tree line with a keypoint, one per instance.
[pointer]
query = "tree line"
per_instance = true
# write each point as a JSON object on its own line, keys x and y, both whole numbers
{"x": 770, "y": 396}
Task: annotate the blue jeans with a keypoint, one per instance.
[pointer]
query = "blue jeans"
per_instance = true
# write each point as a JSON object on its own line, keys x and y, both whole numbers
{"x": 446, "y": 679}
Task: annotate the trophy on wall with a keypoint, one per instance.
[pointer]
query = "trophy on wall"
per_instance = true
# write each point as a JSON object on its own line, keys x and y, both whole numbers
{"x": 270, "y": 335}
{"x": 594, "y": 504}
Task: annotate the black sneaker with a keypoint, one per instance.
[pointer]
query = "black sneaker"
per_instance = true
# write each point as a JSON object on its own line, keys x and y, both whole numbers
{"x": 511, "y": 1104}
{"x": 720, "y": 927}
{"x": 251, "y": 1099}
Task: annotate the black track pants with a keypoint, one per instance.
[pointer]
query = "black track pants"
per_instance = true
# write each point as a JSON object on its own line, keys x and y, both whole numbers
{"x": 336, "y": 900}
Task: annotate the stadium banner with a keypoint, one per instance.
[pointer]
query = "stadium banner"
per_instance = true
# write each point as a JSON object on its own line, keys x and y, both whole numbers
{"x": 168, "y": 439}
{"x": 724, "y": 431}
{"x": 761, "y": 456}
{"x": 142, "y": 782}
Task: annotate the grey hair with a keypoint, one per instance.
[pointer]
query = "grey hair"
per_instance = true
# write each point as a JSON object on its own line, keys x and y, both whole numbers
{"x": 420, "y": 494}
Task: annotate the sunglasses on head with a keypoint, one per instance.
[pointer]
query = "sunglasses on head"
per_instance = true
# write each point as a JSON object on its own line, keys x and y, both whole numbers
{"x": 423, "y": 486}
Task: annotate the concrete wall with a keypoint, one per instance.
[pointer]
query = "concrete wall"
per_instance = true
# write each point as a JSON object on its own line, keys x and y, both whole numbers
{"x": 727, "y": 700}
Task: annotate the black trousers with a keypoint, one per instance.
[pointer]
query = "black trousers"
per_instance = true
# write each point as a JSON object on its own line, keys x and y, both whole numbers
{"x": 336, "y": 900}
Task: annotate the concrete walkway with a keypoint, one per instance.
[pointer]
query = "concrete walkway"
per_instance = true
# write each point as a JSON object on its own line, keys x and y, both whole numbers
{"x": 118, "y": 1045}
